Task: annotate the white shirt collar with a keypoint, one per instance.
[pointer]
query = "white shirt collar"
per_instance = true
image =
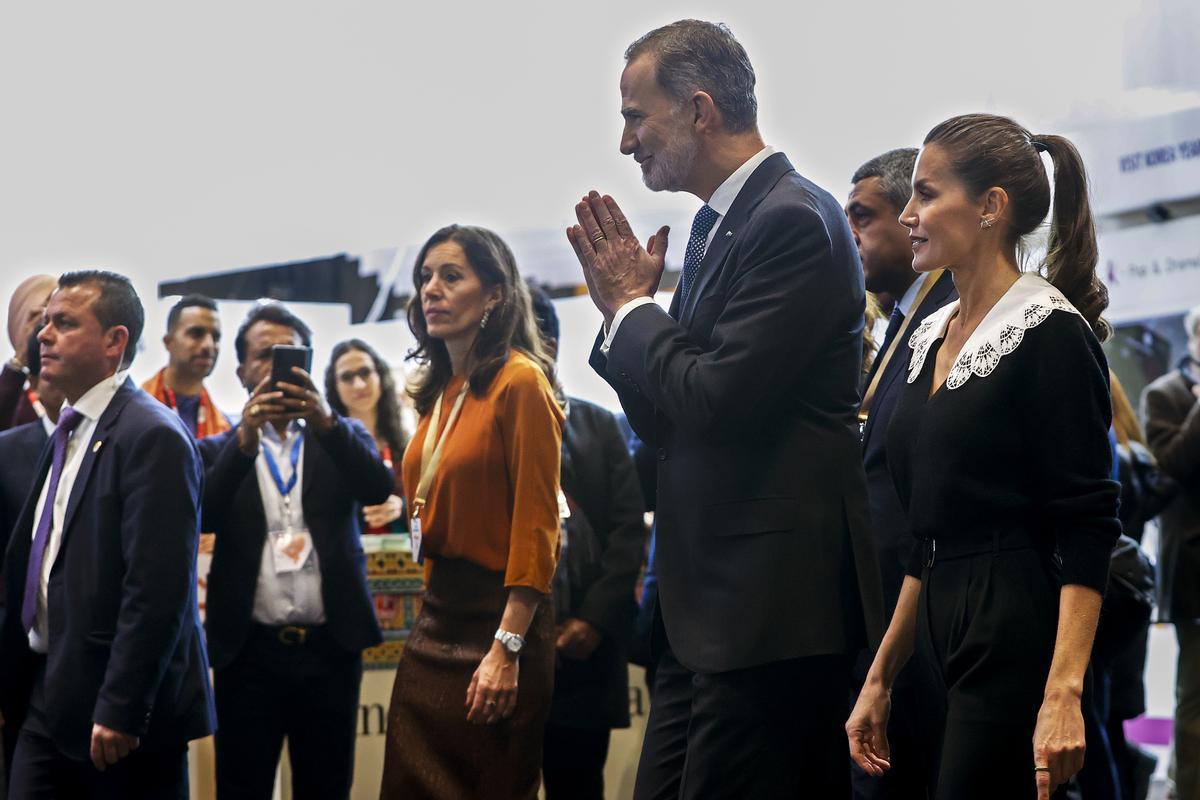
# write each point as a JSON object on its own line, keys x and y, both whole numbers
{"x": 905, "y": 303}
{"x": 96, "y": 399}
{"x": 722, "y": 199}
{"x": 1026, "y": 304}
{"x": 271, "y": 434}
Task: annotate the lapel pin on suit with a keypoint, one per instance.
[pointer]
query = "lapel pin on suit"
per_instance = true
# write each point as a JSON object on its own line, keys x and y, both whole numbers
{"x": 728, "y": 234}
{"x": 96, "y": 447}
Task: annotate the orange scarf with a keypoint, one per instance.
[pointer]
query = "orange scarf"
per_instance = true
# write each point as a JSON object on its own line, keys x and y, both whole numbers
{"x": 209, "y": 421}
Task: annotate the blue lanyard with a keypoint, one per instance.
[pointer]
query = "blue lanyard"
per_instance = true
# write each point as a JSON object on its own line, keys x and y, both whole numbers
{"x": 285, "y": 489}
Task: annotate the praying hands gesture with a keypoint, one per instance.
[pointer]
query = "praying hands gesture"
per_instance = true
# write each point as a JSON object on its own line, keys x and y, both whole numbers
{"x": 615, "y": 265}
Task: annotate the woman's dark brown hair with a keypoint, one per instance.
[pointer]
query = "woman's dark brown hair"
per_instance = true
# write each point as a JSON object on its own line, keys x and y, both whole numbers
{"x": 511, "y": 325}
{"x": 986, "y": 150}
{"x": 387, "y": 412}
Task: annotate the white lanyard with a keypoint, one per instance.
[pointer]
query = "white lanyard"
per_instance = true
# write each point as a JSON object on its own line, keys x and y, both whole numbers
{"x": 431, "y": 454}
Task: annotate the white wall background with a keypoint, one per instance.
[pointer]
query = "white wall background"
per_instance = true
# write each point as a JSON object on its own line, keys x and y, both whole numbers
{"x": 164, "y": 140}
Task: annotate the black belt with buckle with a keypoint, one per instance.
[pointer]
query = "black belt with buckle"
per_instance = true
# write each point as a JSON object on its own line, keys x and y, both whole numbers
{"x": 979, "y": 543}
{"x": 293, "y": 634}
{"x": 290, "y": 635}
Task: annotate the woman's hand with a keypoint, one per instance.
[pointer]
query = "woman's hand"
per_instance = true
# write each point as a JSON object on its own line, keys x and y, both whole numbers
{"x": 492, "y": 694}
{"x": 867, "y": 730}
{"x": 382, "y": 515}
{"x": 1058, "y": 742}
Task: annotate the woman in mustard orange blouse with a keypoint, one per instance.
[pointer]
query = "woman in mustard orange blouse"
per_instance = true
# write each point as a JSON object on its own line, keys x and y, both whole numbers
{"x": 481, "y": 477}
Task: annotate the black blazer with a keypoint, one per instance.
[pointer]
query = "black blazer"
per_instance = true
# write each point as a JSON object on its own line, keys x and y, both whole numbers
{"x": 342, "y": 468}
{"x": 888, "y": 520}
{"x": 599, "y": 477}
{"x": 20, "y": 452}
{"x": 749, "y": 395}
{"x": 126, "y": 649}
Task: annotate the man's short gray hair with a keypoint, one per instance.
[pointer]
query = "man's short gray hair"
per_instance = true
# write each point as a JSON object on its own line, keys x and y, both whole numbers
{"x": 696, "y": 56}
{"x": 894, "y": 170}
{"x": 1191, "y": 321}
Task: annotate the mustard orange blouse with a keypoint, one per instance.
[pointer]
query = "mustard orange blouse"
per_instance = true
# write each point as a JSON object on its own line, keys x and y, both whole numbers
{"x": 494, "y": 498}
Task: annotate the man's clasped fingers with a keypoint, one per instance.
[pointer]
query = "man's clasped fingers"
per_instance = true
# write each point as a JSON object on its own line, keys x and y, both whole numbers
{"x": 604, "y": 216}
{"x": 592, "y": 232}
{"x": 623, "y": 227}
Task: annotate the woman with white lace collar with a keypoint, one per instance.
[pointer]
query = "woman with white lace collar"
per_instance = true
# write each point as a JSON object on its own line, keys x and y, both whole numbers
{"x": 999, "y": 450}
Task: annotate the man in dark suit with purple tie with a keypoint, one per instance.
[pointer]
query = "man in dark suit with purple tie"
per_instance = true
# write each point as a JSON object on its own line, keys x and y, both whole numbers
{"x": 103, "y": 668}
{"x": 747, "y": 391}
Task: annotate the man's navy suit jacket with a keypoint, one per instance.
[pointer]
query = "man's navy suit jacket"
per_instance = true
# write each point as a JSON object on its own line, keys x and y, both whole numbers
{"x": 748, "y": 394}
{"x": 341, "y": 469}
{"x": 125, "y": 645}
{"x": 888, "y": 520}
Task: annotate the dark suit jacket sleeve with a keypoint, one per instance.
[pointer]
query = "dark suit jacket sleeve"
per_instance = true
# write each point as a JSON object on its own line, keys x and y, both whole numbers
{"x": 609, "y": 602}
{"x": 782, "y": 300}
{"x": 225, "y": 467}
{"x": 638, "y": 409}
{"x": 353, "y": 450}
{"x": 160, "y": 534}
{"x": 1174, "y": 438}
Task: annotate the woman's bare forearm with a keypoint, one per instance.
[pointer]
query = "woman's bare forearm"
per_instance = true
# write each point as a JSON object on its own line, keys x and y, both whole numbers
{"x": 898, "y": 641}
{"x": 1078, "y": 613}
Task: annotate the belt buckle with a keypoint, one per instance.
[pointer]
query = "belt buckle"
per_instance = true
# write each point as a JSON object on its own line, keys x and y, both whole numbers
{"x": 293, "y": 634}
{"x": 929, "y": 559}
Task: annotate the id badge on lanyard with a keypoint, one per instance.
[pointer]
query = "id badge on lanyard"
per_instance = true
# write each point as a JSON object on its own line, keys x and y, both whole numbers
{"x": 414, "y": 534}
{"x": 291, "y": 545}
{"x": 431, "y": 456}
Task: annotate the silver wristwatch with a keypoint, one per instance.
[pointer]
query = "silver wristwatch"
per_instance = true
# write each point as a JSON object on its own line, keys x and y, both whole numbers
{"x": 511, "y": 641}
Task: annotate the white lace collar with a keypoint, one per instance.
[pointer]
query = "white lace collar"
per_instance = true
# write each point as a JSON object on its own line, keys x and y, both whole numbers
{"x": 1026, "y": 304}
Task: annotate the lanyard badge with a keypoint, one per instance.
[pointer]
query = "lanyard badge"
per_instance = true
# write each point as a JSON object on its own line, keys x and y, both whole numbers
{"x": 290, "y": 547}
{"x": 431, "y": 456}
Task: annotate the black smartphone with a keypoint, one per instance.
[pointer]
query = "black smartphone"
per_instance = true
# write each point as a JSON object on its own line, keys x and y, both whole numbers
{"x": 286, "y": 356}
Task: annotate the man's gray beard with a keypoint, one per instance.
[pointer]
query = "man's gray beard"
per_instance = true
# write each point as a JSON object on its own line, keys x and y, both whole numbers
{"x": 671, "y": 165}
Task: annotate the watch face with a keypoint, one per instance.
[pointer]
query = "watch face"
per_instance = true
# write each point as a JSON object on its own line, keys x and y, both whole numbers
{"x": 513, "y": 644}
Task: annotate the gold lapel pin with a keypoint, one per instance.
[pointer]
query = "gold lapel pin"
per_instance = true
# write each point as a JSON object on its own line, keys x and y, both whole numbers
{"x": 96, "y": 447}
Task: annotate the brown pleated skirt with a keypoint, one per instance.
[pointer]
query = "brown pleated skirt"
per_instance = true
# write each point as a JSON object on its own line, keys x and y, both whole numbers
{"x": 433, "y": 753}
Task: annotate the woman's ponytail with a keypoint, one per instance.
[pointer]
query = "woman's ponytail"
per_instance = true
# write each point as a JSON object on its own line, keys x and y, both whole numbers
{"x": 1071, "y": 251}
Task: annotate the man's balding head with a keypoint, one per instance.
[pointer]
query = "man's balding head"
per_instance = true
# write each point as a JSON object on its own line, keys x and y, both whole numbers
{"x": 26, "y": 308}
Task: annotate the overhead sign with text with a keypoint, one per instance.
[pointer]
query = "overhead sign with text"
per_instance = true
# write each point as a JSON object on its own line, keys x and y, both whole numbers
{"x": 1138, "y": 163}
{"x": 1152, "y": 270}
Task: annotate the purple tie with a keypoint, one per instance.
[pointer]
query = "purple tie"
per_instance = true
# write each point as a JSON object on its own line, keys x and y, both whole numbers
{"x": 67, "y": 422}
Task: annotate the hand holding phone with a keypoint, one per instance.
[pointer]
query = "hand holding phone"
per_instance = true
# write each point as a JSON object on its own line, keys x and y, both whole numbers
{"x": 286, "y": 356}
{"x": 300, "y": 394}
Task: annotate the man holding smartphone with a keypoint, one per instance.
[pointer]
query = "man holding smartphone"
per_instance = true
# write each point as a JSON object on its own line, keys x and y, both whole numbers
{"x": 289, "y": 611}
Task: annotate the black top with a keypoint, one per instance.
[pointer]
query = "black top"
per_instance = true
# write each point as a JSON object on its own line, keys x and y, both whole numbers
{"x": 1025, "y": 446}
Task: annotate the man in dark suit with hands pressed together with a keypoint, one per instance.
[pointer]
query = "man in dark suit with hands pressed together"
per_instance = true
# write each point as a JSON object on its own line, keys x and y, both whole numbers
{"x": 747, "y": 391}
